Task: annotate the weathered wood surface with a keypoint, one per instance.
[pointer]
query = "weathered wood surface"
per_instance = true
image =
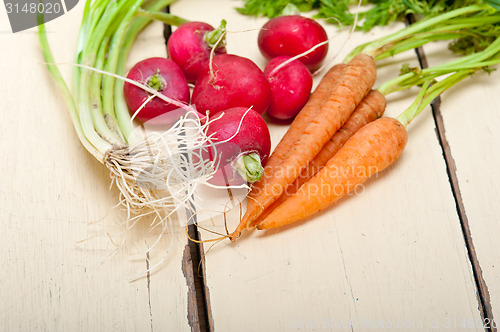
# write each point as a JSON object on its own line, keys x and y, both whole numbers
{"x": 59, "y": 270}
{"x": 469, "y": 118}
{"x": 392, "y": 256}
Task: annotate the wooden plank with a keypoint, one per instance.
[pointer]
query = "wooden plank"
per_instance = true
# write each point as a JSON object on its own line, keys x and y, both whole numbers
{"x": 469, "y": 116}
{"x": 54, "y": 195}
{"x": 392, "y": 256}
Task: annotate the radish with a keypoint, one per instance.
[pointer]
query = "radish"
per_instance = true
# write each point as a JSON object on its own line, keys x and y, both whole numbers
{"x": 191, "y": 43}
{"x": 231, "y": 81}
{"x": 244, "y": 145}
{"x": 293, "y": 35}
{"x": 162, "y": 75}
{"x": 291, "y": 84}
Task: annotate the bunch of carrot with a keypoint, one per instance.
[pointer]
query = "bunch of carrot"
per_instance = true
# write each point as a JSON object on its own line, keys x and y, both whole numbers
{"x": 307, "y": 172}
{"x": 339, "y": 140}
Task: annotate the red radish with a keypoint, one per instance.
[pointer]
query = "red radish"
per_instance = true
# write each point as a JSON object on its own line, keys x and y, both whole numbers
{"x": 231, "y": 81}
{"x": 191, "y": 43}
{"x": 160, "y": 74}
{"x": 245, "y": 145}
{"x": 292, "y": 35}
{"x": 290, "y": 87}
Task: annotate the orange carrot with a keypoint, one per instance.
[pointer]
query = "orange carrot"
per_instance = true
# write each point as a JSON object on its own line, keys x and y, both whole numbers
{"x": 320, "y": 95}
{"x": 371, "y": 108}
{"x": 355, "y": 82}
{"x": 305, "y": 116}
{"x": 372, "y": 149}
{"x": 309, "y": 112}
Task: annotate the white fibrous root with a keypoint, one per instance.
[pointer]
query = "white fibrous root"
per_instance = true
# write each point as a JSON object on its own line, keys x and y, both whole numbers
{"x": 160, "y": 173}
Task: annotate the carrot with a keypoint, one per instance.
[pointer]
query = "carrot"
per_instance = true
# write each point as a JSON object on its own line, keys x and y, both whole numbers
{"x": 372, "y": 149}
{"x": 305, "y": 116}
{"x": 355, "y": 82}
{"x": 371, "y": 108}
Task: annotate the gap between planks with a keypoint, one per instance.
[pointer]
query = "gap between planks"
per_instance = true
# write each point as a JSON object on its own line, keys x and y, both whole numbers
{"x": 193, "y": 263}
{"x": 483, "y": 295}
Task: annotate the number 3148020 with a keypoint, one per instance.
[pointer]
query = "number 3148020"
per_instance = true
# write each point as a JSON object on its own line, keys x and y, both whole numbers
{"x": 32, "y": 8}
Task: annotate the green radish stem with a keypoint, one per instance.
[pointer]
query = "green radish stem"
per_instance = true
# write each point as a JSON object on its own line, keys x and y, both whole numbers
{"x": 249, "y": 167}
{"x": 428, "y": 93}
{"x": 161, "y": 16}
{"x": 488, "y": 57}
{"x": 453, "y": 29}
{"x": 446, "y": 32}
{"x": 453, "y": 71}
{"x": 380, "y": 47}
{"x": 212, "y": 37}
{"x": 156, "y": 81}
{"x": 290, "y": 9}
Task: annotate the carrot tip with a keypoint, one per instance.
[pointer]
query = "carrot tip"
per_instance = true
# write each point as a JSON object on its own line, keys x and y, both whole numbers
{"x": 233, "y": 237}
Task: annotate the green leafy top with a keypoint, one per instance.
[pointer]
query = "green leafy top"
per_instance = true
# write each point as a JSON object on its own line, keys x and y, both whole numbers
{"x": 275, "y": 8}
{"x": 379, "y": 13}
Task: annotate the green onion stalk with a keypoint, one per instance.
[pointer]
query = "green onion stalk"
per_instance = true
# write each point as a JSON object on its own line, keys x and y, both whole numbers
{"x": 156, "y": 172}
{"x": 435, "y": 80}
{"x": 474, "y": 32}
{"x": 470, "y": 29}
{"x": 432, "y": 88}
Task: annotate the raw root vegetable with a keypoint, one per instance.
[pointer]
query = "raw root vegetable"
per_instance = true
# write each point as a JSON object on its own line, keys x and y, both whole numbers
{"x": 371, "y": 150}
{"x": 290, "y": 84}
{"x": 293, "y": 35}
{"x": 245, "y": 147}
{"x": 375, "y": 146}
{"x": 371, "y": 108}
{"x": 190, "y": 45}
{"x": 158, "y": 172}
{"x": 231, "y": 81}
{"x": 310, "y": 111}
{"x": 455, "y": 24}
{"x": 162, "y": 75}
{"x": 320, "y": 95}
{"x": 353, "y": 85}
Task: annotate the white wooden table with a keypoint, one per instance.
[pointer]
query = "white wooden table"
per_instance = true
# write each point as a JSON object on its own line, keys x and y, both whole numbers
{"x": 416, "y": 250}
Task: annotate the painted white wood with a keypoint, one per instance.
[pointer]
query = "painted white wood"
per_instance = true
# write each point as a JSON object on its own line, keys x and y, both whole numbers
{"x": 471, "y": 119}
{"x": 58, "y": 269}
{"x": 392, "y": 256}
